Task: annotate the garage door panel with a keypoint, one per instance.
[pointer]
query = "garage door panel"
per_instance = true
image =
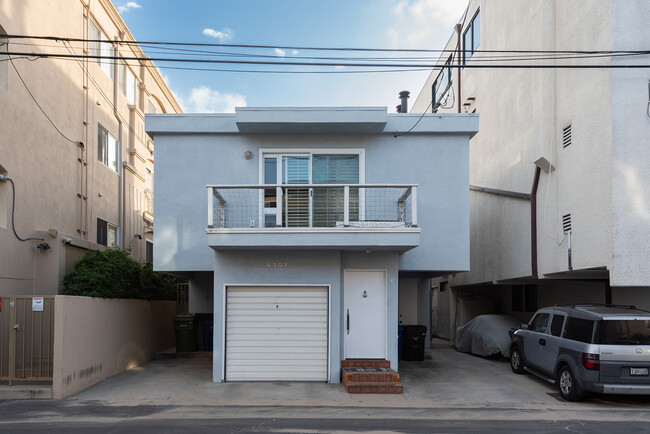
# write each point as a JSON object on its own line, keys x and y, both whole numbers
{"x": 276, "y": 333}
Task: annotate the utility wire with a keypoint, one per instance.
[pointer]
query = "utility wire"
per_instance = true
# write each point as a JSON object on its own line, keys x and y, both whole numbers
{"x": 288, "y": 47}
{"x": 41, "y": 108}
{"x": 472, "y": 65}
{"x": 13, "y": 209}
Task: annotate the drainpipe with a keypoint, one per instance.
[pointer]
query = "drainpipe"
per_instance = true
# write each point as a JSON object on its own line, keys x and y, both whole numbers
{"x": 533, "y": 222}
{"x": 120, "y": 195}
{"x": 459, "y": 29}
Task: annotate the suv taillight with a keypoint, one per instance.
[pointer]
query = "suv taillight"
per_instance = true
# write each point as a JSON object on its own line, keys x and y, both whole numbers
{"x": 591, "y": 361}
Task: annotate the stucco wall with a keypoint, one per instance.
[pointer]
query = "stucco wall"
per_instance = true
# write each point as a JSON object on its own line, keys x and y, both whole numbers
{"x": 96, "y": 338}
{"x": 436, "y": 160}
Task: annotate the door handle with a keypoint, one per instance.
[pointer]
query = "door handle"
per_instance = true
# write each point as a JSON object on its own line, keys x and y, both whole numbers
{"x": 347, "y": 321}
{"x": 16, "y": 327}
{"x": 542, "y": 342}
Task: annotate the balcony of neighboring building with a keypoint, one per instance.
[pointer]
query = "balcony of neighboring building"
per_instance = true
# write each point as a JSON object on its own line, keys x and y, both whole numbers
{"x": 313, "y": 216}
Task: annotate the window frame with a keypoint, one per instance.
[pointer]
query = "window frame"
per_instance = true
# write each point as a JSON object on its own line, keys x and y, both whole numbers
{"x": 101, "y": 223}
{"x": 103, "y": 152}
{"x": 102, "y": 48}
{"x": 437, "y": 83}
{"x": 279, "y": 153}
{"x": 468, "y": 53}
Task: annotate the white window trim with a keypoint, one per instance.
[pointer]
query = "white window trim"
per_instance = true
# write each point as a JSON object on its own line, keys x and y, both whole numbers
{"x": 117, "y": 232}
{"x": 264, "y": 152}
{"x": 118, "y": 150}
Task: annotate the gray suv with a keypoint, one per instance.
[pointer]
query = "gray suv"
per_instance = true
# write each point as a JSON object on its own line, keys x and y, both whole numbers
{"x": 586, "y": 348}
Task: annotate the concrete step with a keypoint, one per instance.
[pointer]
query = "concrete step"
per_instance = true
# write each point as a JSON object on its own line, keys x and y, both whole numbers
{"x": 369, "y": 375}
{"x": 370, "y": 387}
{"x": 25, "y": 392}
{"x": 365, "y": 363}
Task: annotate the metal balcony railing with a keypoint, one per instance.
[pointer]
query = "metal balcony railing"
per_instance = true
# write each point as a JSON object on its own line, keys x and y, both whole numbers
{"x": 369, "y": 206}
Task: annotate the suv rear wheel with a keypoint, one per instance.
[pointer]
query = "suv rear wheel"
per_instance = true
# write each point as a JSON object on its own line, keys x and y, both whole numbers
{"x": 516, "y": 361}
{"x": 568, "y": 385}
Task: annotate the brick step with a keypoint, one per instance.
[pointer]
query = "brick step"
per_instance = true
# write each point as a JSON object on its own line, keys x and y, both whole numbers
{"x": 369, "y": 387}
{"x": 365, "y": 363}
{"x": 369, "y": 375}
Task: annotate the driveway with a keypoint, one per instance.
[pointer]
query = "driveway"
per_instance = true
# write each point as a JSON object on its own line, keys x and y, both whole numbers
{"x": 447, "y": 379}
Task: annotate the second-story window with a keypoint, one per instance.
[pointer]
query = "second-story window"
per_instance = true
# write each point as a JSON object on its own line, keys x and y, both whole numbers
{"x": 100, "y": 45}
{"x": 442, "y": 84}
{"x": 472, "y": 37}
{"x": 107, "y": 148}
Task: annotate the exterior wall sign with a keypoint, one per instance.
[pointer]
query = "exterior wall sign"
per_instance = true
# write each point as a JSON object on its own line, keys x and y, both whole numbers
{"x": 37, "y": 304}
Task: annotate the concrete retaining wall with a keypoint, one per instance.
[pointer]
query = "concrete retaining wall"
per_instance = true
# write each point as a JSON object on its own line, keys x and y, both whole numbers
{"x": 96, "y": 338}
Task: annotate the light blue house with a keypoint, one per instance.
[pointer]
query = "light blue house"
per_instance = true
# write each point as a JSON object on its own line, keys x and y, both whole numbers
{"x": 299, "y": 228}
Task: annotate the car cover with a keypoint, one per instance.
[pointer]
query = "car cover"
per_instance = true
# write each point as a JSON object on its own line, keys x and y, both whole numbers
{"x": 486, "y": 335}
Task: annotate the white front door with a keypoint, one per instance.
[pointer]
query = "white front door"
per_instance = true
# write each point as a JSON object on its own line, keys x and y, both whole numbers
{"x": 364, "y": 314}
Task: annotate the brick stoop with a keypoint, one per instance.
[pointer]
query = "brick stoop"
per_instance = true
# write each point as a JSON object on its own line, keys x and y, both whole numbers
{"x": 369, "y": 376}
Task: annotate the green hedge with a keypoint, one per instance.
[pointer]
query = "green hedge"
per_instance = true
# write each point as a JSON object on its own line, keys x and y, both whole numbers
{"x": 112, "y": 273}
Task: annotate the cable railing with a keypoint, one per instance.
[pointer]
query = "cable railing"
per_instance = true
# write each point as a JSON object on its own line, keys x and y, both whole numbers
{"x": 362, "y": 206}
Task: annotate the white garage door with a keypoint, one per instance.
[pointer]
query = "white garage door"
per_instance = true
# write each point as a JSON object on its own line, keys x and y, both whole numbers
{"x": 276, "y": 333}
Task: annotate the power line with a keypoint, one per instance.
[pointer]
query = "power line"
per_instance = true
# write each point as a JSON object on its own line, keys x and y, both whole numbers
{"x": 41, "y": 108}
{"x": 472, "y": 65}
{"x": 289, "y": 47}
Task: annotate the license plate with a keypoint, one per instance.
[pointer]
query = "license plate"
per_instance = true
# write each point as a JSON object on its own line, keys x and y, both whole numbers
{"x": 638, "y": 371}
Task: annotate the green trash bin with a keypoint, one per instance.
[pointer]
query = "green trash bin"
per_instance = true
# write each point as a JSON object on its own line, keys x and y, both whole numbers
{"x": 185, "y": 326}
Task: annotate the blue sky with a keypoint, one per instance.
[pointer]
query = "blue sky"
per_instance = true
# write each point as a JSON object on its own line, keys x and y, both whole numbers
{"x": 330, "y": 23}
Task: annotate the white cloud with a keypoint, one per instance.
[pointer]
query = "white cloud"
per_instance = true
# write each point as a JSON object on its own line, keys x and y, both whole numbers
{"x": 223, "y": 35}
{"x": 128, "y": 6}
{"x": 421, "y": 23}
{"x": 279, "y": 52}
{"x": 339, "y": 67}
{"x": 294, "y": 52}
{"x": 202, "y": 99}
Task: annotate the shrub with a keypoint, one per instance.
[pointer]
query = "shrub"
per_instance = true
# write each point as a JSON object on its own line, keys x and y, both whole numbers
{"x": 112, "y": 273}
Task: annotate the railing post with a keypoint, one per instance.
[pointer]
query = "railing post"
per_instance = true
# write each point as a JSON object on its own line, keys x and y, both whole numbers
{"x": 278, "y": 213}
{"x": 414, "y": 206}
{"x": 210, "y": 208}
{"x": 346, "y": 206}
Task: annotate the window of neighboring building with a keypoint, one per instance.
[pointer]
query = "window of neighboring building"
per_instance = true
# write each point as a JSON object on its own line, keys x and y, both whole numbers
{"x": 442, "y": 84}
{"x": 128, "y": 84}
{"x": 107, "y": 148}
{"x": 4, "y": 67}
{"x": 524, "y": 298}
{"x": 472, "y": 37}
{"x": 106, "y": 233}
{"x": 100, "y": 45}
{"x": 154, "y": 106}
{"x": 149, "y": 252}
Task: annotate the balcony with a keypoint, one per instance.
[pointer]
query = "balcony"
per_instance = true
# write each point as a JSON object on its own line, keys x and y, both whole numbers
{"x": 308, "y": 216}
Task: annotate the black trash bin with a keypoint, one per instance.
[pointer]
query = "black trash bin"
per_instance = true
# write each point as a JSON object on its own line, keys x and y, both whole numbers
{"x": 413, "y": 342}
{"x": 185, "y": 326}
{"x": 208, "y": 333}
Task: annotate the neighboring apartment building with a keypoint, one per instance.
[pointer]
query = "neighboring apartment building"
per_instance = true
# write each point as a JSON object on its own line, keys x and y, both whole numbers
{"x": 560, "y": 209}
{"x": 89, "y": 185}
{"x": 318, "y": 225}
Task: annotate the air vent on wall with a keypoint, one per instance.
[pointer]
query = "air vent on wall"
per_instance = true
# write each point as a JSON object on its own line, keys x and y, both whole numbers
{"x": 566, "y": 136}
{"x": 566, "y": 223}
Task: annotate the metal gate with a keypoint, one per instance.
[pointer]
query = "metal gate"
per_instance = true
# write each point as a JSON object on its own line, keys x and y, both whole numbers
{"x": 26, "y": 338}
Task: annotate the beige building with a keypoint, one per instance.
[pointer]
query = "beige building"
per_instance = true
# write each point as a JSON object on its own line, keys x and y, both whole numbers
{"x": 560, "y": 209}
{"x": 72, "y": 141}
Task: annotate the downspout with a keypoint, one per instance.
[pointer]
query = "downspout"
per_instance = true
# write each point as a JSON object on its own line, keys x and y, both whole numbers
{"x": 120, "y": 195}
{"x": 459, "y": 29}
{"x": 533, "y": 223}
